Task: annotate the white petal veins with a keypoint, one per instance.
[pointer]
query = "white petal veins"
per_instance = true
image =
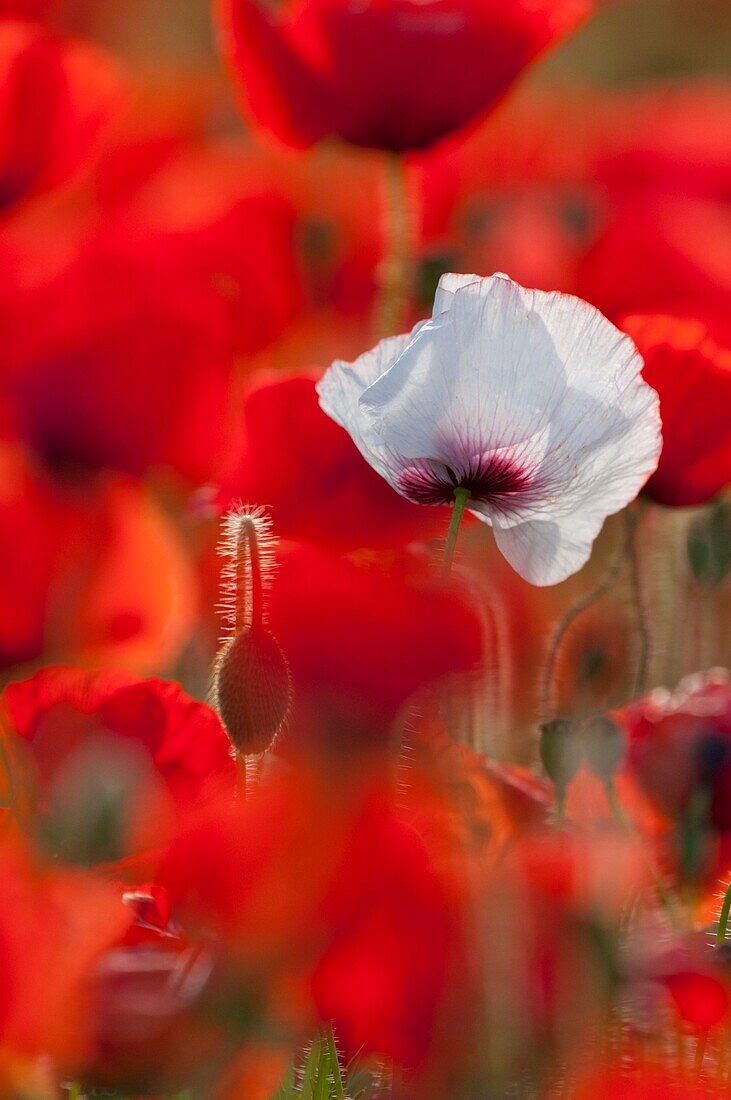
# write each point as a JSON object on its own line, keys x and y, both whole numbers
{"x": 532, "y": 401}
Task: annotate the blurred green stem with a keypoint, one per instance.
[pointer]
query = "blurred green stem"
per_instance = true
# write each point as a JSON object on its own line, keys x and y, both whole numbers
{"x": 564, "y": 625}
{"x": 396, "y": 274}
{"x": 461, "y": 496}
{"x": 631, "y": 522}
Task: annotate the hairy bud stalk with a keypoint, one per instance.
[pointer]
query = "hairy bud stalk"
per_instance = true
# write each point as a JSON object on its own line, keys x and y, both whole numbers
{"x": 251, "y": 684}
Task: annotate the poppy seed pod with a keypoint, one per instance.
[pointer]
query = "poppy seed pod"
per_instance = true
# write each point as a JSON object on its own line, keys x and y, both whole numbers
{"x": 253, "y": 689}
{"x": 251, "y": 685}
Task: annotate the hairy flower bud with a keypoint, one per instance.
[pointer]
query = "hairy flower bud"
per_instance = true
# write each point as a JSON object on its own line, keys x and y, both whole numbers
{"x": 251, "y": 686}
{"x": 253, "y": 689}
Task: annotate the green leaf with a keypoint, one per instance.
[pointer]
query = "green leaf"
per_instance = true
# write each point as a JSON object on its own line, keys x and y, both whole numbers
{"x": 339, "y": 1090}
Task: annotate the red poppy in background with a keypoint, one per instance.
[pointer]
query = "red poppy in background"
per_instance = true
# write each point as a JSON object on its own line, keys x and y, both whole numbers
{"x": 112, "y": 758}
{"x": 99, "y": 577}
{"x": 680, "y": 744}
{"x": 566, "y": 890}
{"x": 120, "y": 341}
{"x": 692, "y": 375}
{"x": 387, "y": 74}
{"x": 360, "y": 640}
{"x": 390, "y": 929}
{"x": 23, "y": 9}
{"x": 636, "y": 1079}
{"x": 700, "y": 998}
{"x": 54, "y": 926}
{"x": 668, "y": 138}
{"x": 55, "y": 95}
{"x": 662, "y": 253}
{"x": 218, "y": 226}
{"x": 338, "y": 898}
{"x": 107, "y": 367}
{"x": 319, "y": 487}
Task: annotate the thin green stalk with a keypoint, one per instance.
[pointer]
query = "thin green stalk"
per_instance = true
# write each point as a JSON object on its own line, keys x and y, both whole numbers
{"x": 631, "y": 520}
{"x": 397, "y": 266}
{"x": 583, "y": 604}
{"x": 461, "y": 497}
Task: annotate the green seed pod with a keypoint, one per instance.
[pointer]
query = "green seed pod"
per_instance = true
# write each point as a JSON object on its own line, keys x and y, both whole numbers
{"x": 606, "y": 745}
{"x": 561, "y": 751}
{"x": 252, "y": 689}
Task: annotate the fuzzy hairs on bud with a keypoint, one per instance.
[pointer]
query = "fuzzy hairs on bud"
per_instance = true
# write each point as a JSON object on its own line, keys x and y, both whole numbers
{"x": 251, "y": 685}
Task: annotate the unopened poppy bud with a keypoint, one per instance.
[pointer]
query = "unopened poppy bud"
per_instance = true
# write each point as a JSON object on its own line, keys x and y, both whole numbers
{"x": 253, "y": 689}
{"x": 606, "y": 745}
{"x": 252, "y": 686}
{"x": 561, "y": 752}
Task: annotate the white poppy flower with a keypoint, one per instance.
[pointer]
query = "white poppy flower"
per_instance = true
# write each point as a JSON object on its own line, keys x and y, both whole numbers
{"x": 532, "y": 402}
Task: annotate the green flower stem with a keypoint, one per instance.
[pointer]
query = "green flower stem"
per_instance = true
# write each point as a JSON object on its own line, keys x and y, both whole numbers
{"x": 248, "y": 577}
{"x": 631, "y": 519}
{"x": 397, "y": 268}
{"x": 461, "y": 497}
{"x": 582, "y": 604}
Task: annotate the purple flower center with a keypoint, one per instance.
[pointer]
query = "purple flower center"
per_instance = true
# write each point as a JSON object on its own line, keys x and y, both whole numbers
{"x": 491, "y": 479}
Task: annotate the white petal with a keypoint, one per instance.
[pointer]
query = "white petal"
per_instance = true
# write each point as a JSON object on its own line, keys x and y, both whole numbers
{"x": 479, "y": 377}
{"x": 506, "y": 368}
{"x": 605, "y": 424}
{"x": 543, "y": 381}
{"x": 547, "y": 551}
{"x": 341, "y": 387}
{"x": 447, "y": 287}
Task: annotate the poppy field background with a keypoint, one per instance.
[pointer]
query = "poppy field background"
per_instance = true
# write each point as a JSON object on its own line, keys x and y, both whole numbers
{"x": 288, "y": 808}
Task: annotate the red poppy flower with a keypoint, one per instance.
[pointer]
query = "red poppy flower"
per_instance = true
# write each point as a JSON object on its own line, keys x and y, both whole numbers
{"x": 216, "y": 225}
{"x": 112, "y": 758}
{"x": 640, "y": 1080}
{"x": 148, "y": 1035}
{"x": 23, "y": 9}
{"x": 389, "y": 928}
{"x": 666, "y": 138}
{"x": 338, "y": 899}
{"x": 121, "y": 333}
{"x": 662, "y": 253}
{"x": 692, "y": 375}
{"x": 55, "y": 94}
{"x": 361, "y": 640}
{"x": 567, "y": 892}
{"x": 54, "y": 927}
{"x": 388, "y": 74}
{"x": 483, "y": 804}
{"x": 700, "y": 999}
{"x": 105, "y": 365}
{"x": 95, "y": 577}
{"x": 680, "y": 743}
{"x": 319, "y": 487}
